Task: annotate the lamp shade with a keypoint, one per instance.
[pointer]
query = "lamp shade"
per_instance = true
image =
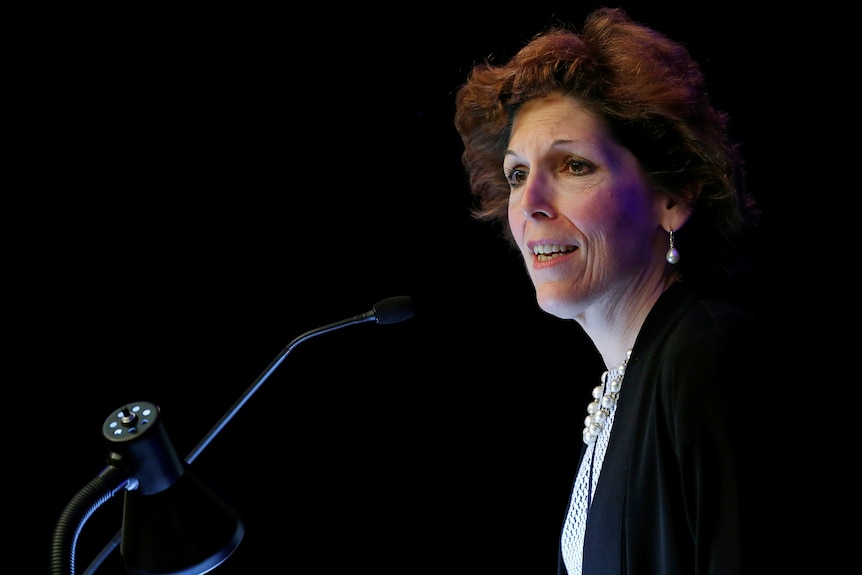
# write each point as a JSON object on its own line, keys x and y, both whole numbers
{"x": 173, "y": 524}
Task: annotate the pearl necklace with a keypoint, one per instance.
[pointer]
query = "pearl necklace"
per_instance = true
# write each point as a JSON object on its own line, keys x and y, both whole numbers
{"x": 605, "y": 398}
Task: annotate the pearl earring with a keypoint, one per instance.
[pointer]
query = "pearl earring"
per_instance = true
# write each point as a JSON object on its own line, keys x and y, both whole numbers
{"x": 672, "y": 255}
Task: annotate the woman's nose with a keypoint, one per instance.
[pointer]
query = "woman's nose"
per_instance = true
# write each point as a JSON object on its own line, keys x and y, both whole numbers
{"x": 536, "y": 199}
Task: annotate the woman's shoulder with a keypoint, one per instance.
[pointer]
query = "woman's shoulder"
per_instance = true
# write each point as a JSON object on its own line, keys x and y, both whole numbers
{"x": 688, "y": 323}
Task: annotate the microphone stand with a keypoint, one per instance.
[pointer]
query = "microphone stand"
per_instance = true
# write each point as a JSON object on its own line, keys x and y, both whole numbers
{"x": 362, "y": 318}
{"x": 390, "y": 310}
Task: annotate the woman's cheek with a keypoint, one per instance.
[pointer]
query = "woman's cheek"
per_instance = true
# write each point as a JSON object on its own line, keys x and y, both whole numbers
{"x": 516, "y": 224}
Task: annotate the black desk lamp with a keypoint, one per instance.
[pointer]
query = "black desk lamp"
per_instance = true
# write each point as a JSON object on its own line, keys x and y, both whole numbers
{"x": 173, "y": 524}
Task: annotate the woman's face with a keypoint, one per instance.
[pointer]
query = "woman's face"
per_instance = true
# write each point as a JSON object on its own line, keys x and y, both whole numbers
{"x": 580, "y": 211}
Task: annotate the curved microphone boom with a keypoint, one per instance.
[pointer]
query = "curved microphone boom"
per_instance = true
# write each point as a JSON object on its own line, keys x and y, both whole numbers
{"x": 387, "y": 311}
{"x": 390, "y": 310}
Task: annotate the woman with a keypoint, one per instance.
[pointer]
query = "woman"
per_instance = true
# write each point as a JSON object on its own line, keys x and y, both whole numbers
{"x": 616, "y": 180}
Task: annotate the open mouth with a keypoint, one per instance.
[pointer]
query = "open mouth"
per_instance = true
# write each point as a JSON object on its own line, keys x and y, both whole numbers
{"x": 547, "y": 252}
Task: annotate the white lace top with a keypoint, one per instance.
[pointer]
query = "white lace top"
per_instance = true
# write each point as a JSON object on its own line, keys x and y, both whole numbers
{"x": 587, "y": 479}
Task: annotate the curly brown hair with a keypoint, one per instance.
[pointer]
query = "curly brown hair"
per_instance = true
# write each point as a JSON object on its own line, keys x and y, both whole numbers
{"x": 650, "y": 93}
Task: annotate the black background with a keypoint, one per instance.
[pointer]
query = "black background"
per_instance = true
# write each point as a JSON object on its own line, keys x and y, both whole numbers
{"x": 200, "y": 187}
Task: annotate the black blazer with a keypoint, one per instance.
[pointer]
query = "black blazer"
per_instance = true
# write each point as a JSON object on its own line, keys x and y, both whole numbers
{"x": 672, "y": 496}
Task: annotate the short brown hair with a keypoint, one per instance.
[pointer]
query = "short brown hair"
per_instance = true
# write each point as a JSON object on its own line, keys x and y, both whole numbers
{"x": 651, "y": 95}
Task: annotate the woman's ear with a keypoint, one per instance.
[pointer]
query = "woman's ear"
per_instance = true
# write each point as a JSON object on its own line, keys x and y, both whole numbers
{"x": 675, "y": 217}
{"x": 676, "y": 212}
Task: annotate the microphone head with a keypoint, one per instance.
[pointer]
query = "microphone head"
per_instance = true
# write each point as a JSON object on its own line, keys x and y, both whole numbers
{"x": 394, "y": 309}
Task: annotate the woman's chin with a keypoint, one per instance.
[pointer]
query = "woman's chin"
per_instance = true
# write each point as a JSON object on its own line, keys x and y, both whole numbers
{"x": 556, "y": 304}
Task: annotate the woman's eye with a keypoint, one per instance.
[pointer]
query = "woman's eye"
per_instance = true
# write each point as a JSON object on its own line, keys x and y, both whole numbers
{"x": 516, "y": 176}
{"x": 578, "y": 167}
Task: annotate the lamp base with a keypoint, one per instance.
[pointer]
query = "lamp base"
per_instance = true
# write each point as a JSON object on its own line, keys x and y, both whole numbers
{"x": 184, "y": 530}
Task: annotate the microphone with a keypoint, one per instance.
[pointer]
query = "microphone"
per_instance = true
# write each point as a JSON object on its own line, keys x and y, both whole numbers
{"x": 393, "y": 310}
{"x": 390, "y": 310}
{"x": 154, "y": 462}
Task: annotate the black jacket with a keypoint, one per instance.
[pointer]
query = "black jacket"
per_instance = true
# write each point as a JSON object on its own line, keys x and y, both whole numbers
{"x": 673, "y": 496}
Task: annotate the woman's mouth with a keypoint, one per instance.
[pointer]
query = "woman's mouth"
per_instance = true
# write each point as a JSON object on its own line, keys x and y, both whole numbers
{"x": 547, "y": 252}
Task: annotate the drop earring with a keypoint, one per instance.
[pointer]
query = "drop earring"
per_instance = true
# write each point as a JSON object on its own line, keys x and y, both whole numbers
{"x": 672, "y": 255}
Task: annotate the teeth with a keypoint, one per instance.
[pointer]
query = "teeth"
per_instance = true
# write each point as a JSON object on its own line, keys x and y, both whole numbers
{"x": 547, "y": 252}
{"x": 551, "y": 249}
